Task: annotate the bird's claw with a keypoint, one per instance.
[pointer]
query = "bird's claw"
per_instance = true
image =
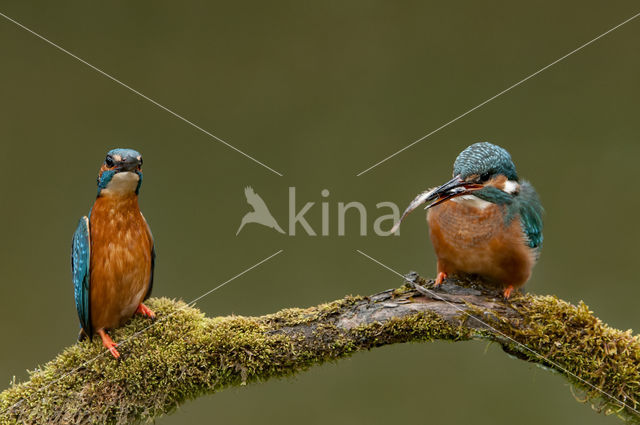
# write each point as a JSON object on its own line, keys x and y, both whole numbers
{"x": 507, "y": 292}
{"x": 108, "y": 343}
{"x": 440, "y": 278}
{"x": 114, "y": 352}
{"x": 145, "y": 311}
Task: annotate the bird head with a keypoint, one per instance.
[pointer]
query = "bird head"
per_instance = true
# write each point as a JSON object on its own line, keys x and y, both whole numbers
{"x": 478, "y": 166}
{"x": 121, "y": 173}
{"x": 482, "y": 162}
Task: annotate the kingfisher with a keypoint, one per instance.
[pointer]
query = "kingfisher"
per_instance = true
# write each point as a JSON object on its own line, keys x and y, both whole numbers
{"x": 112, "y": 254}
{"x": 484, "y": 222}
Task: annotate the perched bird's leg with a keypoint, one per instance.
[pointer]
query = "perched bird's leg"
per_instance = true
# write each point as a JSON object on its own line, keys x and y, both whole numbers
{"x": 440, "y": 278}
{"x": 108, "y": 343}
{"x": 145, "y": 311}
{"x": 507, "y": 292}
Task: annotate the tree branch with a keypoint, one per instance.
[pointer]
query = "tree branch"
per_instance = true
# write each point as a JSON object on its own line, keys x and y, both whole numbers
{"x": 186, "y": 354}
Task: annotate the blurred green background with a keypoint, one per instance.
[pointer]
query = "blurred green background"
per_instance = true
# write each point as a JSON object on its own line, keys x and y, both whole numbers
{"x": 320, "y": 91}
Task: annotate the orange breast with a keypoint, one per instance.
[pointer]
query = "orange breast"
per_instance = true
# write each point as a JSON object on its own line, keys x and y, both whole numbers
{"x": 120, "y": 260}
{"x": 472, "y": 240}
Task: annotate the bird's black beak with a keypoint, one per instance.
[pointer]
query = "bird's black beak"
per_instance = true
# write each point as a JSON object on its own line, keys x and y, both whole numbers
{"x": 129, "y": 164}
{"x": 454, "y": 187}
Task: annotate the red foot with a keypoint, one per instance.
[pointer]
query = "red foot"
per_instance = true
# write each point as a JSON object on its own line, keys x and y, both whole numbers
{"x": 145, "y": 311}
{"x": 440, "y": 278}
{"x": 507, "y": 292}
{"x": 108, "y": 343}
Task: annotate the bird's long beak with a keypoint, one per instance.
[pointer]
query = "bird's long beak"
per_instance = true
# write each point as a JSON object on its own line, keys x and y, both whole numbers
{"x": 454, "y": 187}
{"x": 128, "y": 164}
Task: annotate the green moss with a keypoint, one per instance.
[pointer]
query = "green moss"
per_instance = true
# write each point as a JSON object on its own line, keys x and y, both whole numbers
{"x": 186, "y": 354}
{"x": 404, "y": 289}
{"x": 597, "y": 359}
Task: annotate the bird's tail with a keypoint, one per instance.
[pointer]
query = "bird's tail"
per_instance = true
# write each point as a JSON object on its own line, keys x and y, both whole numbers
{"x": 82, "y": 335}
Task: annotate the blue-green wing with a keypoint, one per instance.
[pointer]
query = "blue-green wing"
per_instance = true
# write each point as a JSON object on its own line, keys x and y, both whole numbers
{"x": 80, "y": 260}
{"x": 153, "y": 258}
{"x": 531, "y": 211}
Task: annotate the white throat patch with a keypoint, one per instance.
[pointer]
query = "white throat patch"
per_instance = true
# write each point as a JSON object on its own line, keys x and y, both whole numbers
{"x": 471, "y": 201}
{"x": 511, "y": 186}
{"x": 124, "y": 183}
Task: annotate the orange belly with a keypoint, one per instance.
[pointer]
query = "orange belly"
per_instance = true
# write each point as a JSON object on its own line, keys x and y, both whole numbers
{"x": 120, "y": 261}
{"x": 472, "y": 241}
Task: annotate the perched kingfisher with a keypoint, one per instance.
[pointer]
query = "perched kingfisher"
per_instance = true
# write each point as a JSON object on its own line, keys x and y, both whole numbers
{"x": 112, "y": 254}
{"x": 484, "y": 222}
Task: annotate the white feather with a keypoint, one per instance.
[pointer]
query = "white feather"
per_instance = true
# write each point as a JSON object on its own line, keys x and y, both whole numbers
{"x": 511, "y": 186}
{"x": 123, "y": 183}
{"x": 471, "y": 201}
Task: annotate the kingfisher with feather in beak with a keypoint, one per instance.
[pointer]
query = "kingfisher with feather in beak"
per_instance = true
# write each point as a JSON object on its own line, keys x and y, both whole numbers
{"x": 112, "y": 256}
{"x": 484, "y": 222}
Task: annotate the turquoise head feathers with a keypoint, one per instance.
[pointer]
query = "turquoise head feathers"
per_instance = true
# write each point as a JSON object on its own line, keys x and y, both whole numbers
{"x": 484, "y": 160}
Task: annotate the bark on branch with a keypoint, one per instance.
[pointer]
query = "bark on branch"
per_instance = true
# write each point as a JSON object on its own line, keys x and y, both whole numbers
{"x": 186, "y": 354}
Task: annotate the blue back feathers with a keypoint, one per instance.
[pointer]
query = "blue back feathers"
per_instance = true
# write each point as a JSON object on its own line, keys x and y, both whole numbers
{"x": 530, "y": 211}
{"x": 80, "y": 260}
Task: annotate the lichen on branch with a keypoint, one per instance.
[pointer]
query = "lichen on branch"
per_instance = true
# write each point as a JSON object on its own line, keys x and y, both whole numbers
{"x": 186, "y": 354}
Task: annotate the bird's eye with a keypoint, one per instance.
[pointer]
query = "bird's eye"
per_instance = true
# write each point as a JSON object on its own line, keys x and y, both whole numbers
{"x": 109, "y": 161}
{"x": 141, "y": 161}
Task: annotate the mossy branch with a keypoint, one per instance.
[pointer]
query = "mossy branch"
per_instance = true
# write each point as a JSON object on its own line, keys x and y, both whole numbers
{"x": 186, "y": 354}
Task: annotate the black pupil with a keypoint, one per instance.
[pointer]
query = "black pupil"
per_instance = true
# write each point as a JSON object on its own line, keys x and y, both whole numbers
{"x": 109, "y": 161}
